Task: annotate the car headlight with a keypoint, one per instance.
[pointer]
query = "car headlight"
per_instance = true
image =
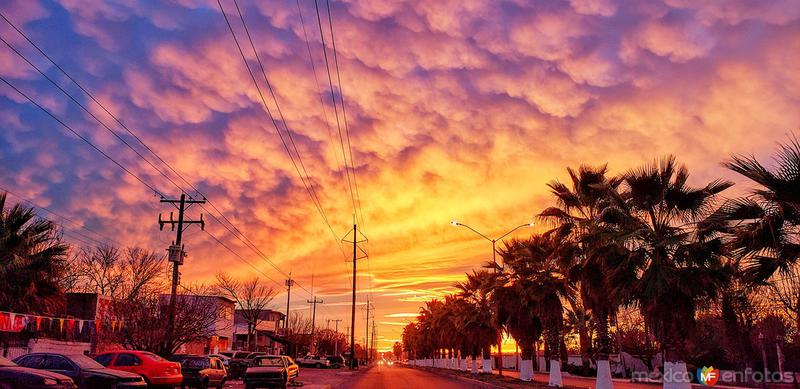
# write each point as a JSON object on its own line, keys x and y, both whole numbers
{"x": 48, "y": 381}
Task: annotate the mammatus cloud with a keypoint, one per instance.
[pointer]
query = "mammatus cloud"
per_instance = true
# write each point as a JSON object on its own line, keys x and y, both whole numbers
{"x": 456, "y": 109}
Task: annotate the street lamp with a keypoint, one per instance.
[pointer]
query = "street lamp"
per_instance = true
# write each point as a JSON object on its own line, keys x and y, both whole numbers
{"x": 455, "y": 223}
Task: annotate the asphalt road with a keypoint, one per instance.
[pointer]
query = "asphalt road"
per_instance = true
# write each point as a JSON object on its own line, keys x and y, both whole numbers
{"x": 385, "y": 377}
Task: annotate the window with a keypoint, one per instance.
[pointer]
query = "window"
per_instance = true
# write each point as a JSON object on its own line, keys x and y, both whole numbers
{"x": 269, "y": 361}
{"x": 128, "y": 360}
{"x": 104, "y": 359}
{"x": 153, "y": 357}
{"x": 32, "y": 361}
{"x": 217, "y": 364}
{"x": 53, "y": 362}
{"x": 196, "y": 363}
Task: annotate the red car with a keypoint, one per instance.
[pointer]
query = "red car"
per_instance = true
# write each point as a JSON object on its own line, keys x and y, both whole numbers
{"x": 156, "y": 371}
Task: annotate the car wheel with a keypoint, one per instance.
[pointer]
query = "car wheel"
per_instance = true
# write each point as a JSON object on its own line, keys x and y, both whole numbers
{"x": 318, "y": 365}
{"x": 203, "y": 384}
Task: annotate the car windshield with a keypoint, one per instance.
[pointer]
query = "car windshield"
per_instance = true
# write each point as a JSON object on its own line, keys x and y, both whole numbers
{"x": 152, "y": 357}
{"x": 85, "y": 362}
{"x": 268, "y": 361}
{"x": 197, "y": 363}
{"x": 5, "y": 362}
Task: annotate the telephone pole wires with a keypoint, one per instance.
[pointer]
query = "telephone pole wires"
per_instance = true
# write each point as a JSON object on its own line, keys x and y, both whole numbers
{"x": 356, "y": 257}
{"x": 177, "y": 253}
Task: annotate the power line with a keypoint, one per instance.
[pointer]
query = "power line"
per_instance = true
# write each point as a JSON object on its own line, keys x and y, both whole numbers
{"x": 309, "y": 185}
{"x": 346, "y": 128}
{"x": 319, "y": 88}
{"x": 86, "y": 110}
{"x": 268, "y": 112}
{"x": 69, "y": 220}
{"x": 333, "y": 100}
{"x": 45, "y": 110}
{"x": 91, "y": 96}
{"x": 238, "y": 234}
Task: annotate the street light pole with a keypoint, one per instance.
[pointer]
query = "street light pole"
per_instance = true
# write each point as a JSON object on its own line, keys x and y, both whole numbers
{"x": 494, "y": 259}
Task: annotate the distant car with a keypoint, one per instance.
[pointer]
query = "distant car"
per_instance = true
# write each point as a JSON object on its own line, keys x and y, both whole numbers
{"x": 271, "y": 371}
{"x": 314, "y": 360}
{"x": 238, "y": 363}
{"x": 336, "y": 361}
{"x": 154, "y": 369}
{"x": 202, "y": 371}
{"x": 85, "y": 372}
{"x": 13, "y": 376}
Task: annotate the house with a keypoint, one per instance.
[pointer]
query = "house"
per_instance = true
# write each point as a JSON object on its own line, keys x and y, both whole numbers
{"x": 269, "y": 332}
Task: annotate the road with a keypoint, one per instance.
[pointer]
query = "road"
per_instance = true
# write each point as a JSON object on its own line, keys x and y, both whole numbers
{"x": 384, "y": 377}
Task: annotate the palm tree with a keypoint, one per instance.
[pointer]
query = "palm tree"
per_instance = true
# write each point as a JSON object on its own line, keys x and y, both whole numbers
{"x": 477, "y": 320}
{"x": 517, "y": 309}
{"x": 537, "y": 269}
{"x": 678, "y": 267}
{"x": 766, "y": 224}
{"x": 580, "y": 218}
{"x": 33, "y": 255}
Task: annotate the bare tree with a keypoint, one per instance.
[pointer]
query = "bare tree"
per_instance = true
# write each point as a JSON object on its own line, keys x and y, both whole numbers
{"x": 98, "y": 270}
{"x": 785, "y": 288}
{"x": 197, "y": 315}
{"x": 299, "y": 335}
{"x": 330, "y": 342}
{"x": 121, "y": 274}
{"x": 252, "y": 297}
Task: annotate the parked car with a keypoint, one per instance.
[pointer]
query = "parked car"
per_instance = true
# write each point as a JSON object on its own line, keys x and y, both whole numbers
{"x": 271, "y": 371}
{"x": 336, "y": 361}
{"x": 200, "y": 371}
{"x": 238, "y": 363}
{"x": 226, "y": 360}
{"x": 84, "y": 371}
{"x": 154, "y": 369}
{"x": 314, "y": 360}
{"x": 13, "y": 376}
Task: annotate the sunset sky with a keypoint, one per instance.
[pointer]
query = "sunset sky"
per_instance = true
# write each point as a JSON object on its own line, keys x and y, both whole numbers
{"x": 456, "y": 110}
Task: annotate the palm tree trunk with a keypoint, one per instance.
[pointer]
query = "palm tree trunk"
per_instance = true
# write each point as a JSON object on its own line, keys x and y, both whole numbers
{"x": 487, "y": 360}
{"x": 526, "y": 365}
{"x": 553, "y": 344}
{"x": 603, "y": 380}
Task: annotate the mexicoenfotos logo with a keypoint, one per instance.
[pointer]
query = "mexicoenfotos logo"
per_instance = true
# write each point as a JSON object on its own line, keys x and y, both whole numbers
{"x": 708, "y": 376}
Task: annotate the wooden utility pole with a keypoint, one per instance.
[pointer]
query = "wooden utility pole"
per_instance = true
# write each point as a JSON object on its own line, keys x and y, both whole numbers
{"x": 314, "y": 303}
{"x": 289, "y": 283}
{"x": 177, "y": 254}
{"x": 355, "y": 242}
{"x": 336, "y": 343}
{"x": 366, "y": 326}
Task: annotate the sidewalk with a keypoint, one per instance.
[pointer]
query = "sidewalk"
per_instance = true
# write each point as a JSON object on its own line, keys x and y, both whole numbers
{"x": 588, "y": 382}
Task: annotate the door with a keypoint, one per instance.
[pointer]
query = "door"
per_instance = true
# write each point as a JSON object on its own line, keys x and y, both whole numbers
{"x": 127, "y": 362}
{"x": 219, "y": 370}
{"x": 61, "y": 365}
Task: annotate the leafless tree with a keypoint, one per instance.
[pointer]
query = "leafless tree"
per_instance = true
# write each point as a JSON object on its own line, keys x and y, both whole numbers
{"x": 121, "y": 274}
{"x": 252, "y": 297}
{"x": 299, "y": 332}
{"x": 330, "y": 342}
{"x": 197, "y": 315}
{"x": 786, "y": 291}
